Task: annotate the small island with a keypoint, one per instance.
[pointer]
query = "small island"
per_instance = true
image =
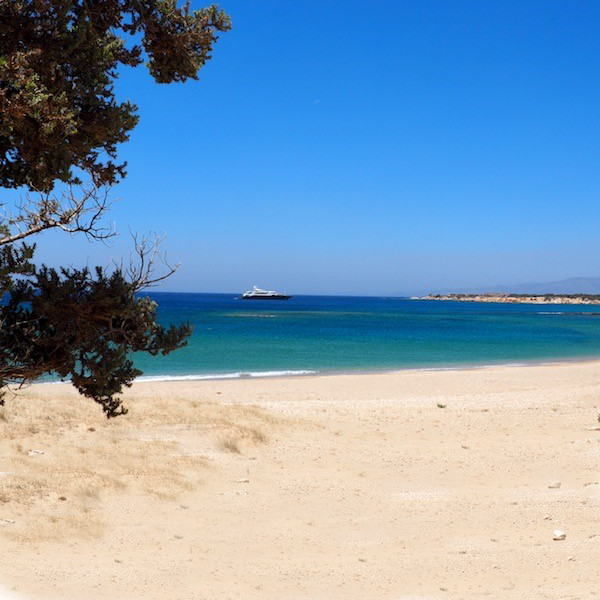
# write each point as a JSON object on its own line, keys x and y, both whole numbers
{"x": 518, "y": 298}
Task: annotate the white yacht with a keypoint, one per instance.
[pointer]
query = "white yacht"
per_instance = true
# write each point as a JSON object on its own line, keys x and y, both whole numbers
{"x": 257, "y": 294}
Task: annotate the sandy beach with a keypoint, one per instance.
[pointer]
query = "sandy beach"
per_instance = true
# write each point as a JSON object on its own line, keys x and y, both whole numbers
{"x": 412, "y": 485}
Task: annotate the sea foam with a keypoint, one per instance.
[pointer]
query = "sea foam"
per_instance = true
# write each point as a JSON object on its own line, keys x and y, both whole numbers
{"x": 237, "y": 375}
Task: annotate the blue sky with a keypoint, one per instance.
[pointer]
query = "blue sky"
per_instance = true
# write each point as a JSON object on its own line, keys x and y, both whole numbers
{"x": 380, "y": 147}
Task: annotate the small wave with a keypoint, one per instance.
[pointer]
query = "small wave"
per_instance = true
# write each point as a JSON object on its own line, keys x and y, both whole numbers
{"x": 468, "y": 366}
{"x": 237, "y": 375}
{"x": 250, "y": 315}
{"x": 551, "y": 313}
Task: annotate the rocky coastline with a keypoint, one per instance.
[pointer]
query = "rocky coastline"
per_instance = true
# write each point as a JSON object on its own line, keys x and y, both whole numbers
{"x": 517, "y": 298}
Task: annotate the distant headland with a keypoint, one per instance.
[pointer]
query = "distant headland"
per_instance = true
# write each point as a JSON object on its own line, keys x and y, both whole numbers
{"x": 517, "y": 298}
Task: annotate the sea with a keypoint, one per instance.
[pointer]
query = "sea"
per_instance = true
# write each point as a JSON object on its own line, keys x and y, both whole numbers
{"x": 305, "y": 335}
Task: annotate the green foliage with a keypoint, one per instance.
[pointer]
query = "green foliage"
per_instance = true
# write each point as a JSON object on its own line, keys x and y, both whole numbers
{"x": 58, "y": 63}
{"x": 59, "y": 117}
{"x": 81, "y": 326}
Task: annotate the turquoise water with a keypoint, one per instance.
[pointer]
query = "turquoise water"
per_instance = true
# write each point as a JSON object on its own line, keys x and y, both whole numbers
{"x": 330, "y": 333}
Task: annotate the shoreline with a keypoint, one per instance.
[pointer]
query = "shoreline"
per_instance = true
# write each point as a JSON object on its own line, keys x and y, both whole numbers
{"x": 506, "y": 298}
{"x": 308, "y": 373}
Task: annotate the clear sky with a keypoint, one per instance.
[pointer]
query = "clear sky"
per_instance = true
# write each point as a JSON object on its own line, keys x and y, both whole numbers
{"x": 380, "y": 147}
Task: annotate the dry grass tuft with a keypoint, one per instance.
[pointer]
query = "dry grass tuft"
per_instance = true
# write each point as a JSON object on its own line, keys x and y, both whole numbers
{"x": 63, "y": 457}
{"x": 258, "y": 435}
{"x": 230, "y": 444}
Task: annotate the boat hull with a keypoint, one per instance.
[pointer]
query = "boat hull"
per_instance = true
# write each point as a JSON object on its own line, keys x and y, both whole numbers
{"x": 278, "y": 297}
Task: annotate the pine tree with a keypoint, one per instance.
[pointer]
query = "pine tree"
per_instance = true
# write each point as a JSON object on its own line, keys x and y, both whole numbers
{"x": 60, "y": 125}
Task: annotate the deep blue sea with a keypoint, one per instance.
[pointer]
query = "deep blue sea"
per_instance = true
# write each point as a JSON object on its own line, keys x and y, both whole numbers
{"x": 237, "y": 338}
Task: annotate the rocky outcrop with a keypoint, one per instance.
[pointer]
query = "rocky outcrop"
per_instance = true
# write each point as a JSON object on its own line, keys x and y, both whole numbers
{"x": 518, "y": 298}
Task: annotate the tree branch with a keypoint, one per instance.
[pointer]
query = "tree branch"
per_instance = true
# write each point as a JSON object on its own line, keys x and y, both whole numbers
{"x": 141, "y": 273}
{"x": 78, "y": 209}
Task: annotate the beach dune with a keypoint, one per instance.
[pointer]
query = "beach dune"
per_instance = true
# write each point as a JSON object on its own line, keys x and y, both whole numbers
{"x": 413, "y": 484}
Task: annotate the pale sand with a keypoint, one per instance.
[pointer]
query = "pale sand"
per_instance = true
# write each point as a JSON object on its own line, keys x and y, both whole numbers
{"x": 345, "y": 487}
